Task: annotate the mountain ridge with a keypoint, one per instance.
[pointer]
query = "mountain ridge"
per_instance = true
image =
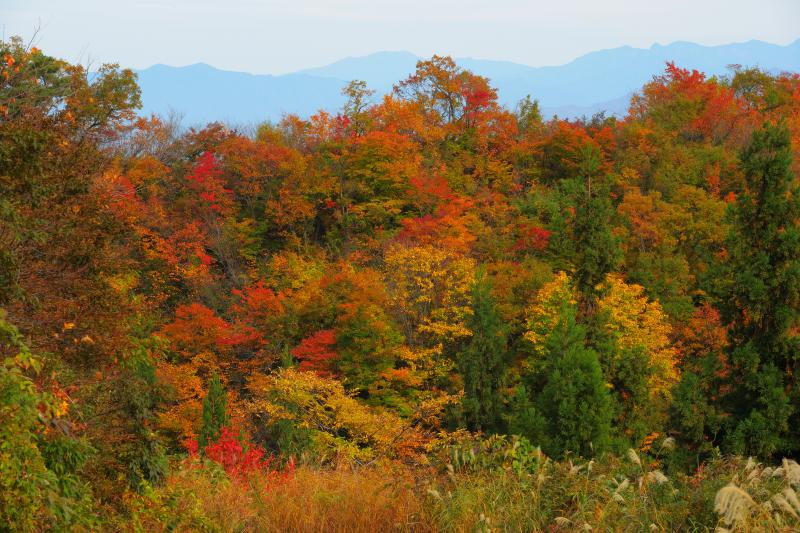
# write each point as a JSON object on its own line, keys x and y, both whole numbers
{"x": 598, "y": 80}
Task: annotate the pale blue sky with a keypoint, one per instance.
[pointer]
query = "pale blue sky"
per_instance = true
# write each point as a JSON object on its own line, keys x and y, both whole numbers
{"x": 272, "y": 37}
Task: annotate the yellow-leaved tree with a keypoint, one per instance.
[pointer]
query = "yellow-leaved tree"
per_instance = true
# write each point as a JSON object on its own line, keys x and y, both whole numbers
{"x": 429, "y": 296}
{"x": 544, "y": 314}
{"x": 637, "y": 322}
{"x": 303, "y": 411}
{"x": 632, "y": 339}
{"x": 429, "y": 289}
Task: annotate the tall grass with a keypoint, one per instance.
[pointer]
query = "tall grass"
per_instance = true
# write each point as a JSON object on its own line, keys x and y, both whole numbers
{"x": 383, "y": 497}
{"x": 505, "y": 493}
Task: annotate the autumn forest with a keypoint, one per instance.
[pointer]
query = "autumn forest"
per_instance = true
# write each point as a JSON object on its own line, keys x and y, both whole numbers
{"x": 422, "y": 312}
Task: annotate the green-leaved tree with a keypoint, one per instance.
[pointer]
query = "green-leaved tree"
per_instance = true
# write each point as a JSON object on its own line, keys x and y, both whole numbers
{"x": 482, "y": 364}
{"x": 214, "y": 412}
{"x": 763, "y": 300}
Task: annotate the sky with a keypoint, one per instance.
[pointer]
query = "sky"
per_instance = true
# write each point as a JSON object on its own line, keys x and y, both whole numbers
{"x": 275, "y": 37}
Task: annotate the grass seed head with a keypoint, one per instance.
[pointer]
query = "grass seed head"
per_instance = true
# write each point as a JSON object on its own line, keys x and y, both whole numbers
{"x": 732, "y": 503}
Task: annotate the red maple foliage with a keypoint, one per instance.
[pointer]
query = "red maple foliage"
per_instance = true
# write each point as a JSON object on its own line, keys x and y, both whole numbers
{"x": 318, "y": 352}
{"x": 206, "y": 180}
{"x": 532, "y": 237}
{"x": 239, "y": 458}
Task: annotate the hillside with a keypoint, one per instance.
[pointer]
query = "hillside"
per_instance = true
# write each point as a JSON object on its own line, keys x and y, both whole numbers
{"x": 426, "y": 312}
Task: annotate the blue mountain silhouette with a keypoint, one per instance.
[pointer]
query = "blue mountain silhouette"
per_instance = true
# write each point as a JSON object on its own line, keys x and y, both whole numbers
{"x": 598, "y": 81}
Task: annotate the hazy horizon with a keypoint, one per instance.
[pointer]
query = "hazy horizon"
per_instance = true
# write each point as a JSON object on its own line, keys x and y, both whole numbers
{"x": 376, "y": 52}
{"x": 272, "y": 37}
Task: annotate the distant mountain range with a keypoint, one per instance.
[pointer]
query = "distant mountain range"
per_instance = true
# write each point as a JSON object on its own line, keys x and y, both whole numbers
{"x": 598, "y": 81}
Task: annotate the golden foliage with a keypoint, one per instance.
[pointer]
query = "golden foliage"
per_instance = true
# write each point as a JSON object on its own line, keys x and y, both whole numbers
{"x": 429, "y": 291}
{"x": 321, "y": 405}
{"x": 637, "y": 322}
{"x": 543, "y": 315}
{"x": 182, "y": 415}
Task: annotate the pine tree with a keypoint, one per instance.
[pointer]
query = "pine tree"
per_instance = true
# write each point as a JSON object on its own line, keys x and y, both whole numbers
{"x": 214, "y": 412}
{"x": 763, "y": 299}
{"x": 483, "y": 362}
{"x": 565, "y": 405}
{"x": 138, "y": 394}
{"x": 574, "y": 404}
{"x": 597, "y": 249}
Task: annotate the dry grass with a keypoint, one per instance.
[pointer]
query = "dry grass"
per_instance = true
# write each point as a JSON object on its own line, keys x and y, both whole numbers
{"x": 379, "y": 498}
{"x": 371, "y": 499}
{"x": 612, "y": 494}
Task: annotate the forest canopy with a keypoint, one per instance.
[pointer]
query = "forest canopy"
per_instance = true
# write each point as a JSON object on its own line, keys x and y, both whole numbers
{"x": 407, "y": 283}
